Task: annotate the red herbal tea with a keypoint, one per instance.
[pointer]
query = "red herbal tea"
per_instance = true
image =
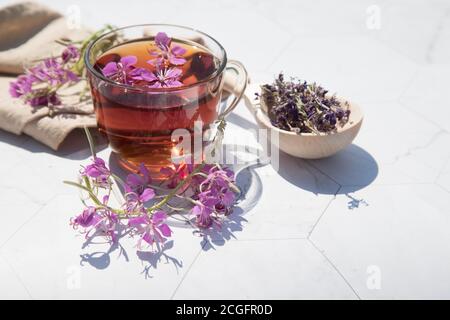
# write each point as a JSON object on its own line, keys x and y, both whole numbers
{"x": 138, "y": 122}
{"x": 148, "y": 81}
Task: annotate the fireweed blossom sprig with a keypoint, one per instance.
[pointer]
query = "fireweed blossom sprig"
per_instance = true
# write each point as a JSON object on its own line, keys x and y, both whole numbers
{"x": 303, "y": 107}
{"x": 41, "y": 83}
{"x": 201, "y": 195}
{"x": 164, "y": 73}
{"x": 167, "y": 54}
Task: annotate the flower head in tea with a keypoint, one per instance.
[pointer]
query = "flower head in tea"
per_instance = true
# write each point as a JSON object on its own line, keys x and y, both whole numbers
{"x": 303, "y": 107}
{"x": 163, "y": 74}
{"x": 167, "y": 54}
{"x": 166, "y": 78}
{"x": 123, "y": 71}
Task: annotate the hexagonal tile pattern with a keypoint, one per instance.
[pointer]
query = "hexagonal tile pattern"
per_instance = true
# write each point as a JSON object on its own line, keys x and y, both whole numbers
{"x": 444, "y": 177}
{"x": 17, "y": 209}
{"x": 418, "y": 29}
{"x": 392, "y": 153}
{"x": 356, "y": 68}
{"x": 427, "y": 95}
{"x": 12, "y": 288}
{"x": 254, "y": 270}
{"x": 48, "y": 256}
{"x": 395, "y": 245}
{"x": 370, "y": 222}
{"x": 284, "y": 219}
{"x": 341, "y": 20}
{"x": 247, "y": 37}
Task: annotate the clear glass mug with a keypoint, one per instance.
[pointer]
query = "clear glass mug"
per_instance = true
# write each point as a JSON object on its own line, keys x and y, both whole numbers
{"x": 139, "y": 122}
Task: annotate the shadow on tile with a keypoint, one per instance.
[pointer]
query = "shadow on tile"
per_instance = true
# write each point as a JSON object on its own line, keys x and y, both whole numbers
{"x": 352, "y": 167}
{"x": 248, "y": 182}
{"x": 74, "y": 147}
{"x": 102, "y": 259}
{"x": 241, "y": 121}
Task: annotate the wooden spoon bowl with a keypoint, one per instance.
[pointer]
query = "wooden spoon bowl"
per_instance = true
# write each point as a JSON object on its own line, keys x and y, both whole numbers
{"x": 306, "y": 145}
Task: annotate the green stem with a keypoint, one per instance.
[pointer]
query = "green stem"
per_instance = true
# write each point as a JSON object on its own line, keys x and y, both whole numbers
{"x": 79, "y": 65}
{"x": 91, "y": 142}
{"x": 87, "y": 189}
{"x": 175, "y": 190}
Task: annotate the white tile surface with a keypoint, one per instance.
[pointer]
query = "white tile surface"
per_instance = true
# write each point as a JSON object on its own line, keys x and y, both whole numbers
{"x": 392, "y": 153}
{"x": 444, "y": 177}
{"x": 17, "y": 209}
{"x": 355, "y": 67}
{"x": 255, "y": 270}
{"x": 48, "y": 257}
{"x": 12, "y": 288}
{"x": 401, "y": 230}
{"x": 418, "y": 29}
{"x": 284, "y": 218}
{"x": 290, "y": 237}
{"x": 427, "y": 94}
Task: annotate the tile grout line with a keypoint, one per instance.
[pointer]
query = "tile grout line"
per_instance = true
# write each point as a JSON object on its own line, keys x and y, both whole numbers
{"x": 323, "y": 213}
{"x": 325, "y": 174}
{"x": 26, "y": 222}
{"x": 441, "y": 187}
{"x": 336, "y": 269}
{"x": 421, "y": 116}
{"x": 187, "y": 271}
{"x": 442, "y": 171}
{"x": 288, "y": 44}
{"x": 17, "y": 276}
{"x": 261, "y": 239}
{"x": 397, "y": 51}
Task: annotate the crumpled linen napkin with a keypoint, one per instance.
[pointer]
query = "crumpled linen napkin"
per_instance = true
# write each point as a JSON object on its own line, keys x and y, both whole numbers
{"x": 28, "y": 32}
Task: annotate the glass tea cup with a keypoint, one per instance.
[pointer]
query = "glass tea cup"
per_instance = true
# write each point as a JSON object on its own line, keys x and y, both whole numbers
{"x": 149, "y": 124}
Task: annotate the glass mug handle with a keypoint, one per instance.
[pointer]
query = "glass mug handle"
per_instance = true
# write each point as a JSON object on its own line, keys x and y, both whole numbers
{"x": 235, "y": 82}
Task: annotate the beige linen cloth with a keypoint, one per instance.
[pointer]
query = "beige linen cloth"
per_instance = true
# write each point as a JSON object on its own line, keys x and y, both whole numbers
{"x": 28, "y": 32}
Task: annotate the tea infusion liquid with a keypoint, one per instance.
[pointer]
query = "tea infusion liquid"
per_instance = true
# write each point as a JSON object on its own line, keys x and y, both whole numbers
{"x": 139, "y": 121}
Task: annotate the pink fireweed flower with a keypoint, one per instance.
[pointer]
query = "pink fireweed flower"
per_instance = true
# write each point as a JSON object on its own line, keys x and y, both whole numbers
{"x": 98, "y": 172}
{"x": 218, "y": 180}
{"x": 138, "y": 182}
{"x": 224, "y": 198}
{"x": 122, "y": 71}
{"x": 20, "y": 87}
{"x": 70, "y": 53}
{"x": 134, "y": 202}
{"x": 107, "y": 226}
{"x": 204, "y": 210}
{"x": 52, "y": 71}
{"x": 167, "y": 53}
{"x": 175, "y": 174}
{"x": 97, "y": 222}
{"x": 150, "y": 229}
{"x": 39, "y": 84}
{"x": 88, "y": 218}
{"x": 165, "y": 78}
{"x": 214, "y": 195}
